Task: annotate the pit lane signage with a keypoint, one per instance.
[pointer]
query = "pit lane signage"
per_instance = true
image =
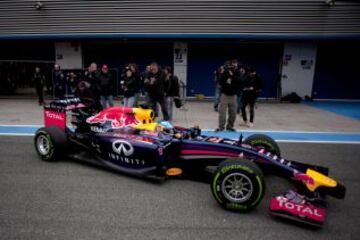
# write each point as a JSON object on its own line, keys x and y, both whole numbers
{"x": 122, "y": 147}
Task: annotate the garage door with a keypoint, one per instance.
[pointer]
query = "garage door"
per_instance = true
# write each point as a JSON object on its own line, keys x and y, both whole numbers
{"x": 205, "y": 58}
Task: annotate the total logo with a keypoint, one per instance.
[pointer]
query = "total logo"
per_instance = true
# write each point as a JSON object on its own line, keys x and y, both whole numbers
{"x": 54, "y": 116}
{"x": 300, "y": 209}
{"x": 122, "y": 147}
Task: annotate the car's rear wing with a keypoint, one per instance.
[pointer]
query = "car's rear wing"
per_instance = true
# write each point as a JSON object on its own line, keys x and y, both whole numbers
{"x": 55, "y": 112}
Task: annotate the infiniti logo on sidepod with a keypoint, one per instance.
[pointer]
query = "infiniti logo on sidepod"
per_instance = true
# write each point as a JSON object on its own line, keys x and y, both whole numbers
{"x": 122, "y": 147}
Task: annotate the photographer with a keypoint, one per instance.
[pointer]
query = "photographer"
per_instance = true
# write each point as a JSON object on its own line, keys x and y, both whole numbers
{"x": 229, "y": 84}
{"x": 91, "y": 81}
{"x": 84, "y": 92}
{"x": 129, "y": 86}
{"x": 155, "y": 87}
{"x": 252, "y": 86}
{"x": 72, "y": 83}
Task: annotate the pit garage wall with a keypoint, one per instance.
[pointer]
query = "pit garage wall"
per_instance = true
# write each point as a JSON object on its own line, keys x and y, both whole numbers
{"x": 27, "y": 50}
{"x": 337, "y": 74}
{"x": 69, "y": 55}
{"x": 336, "y": 69}
{"x": 205, "y": 57}
{"x": 298, "y": 67}
{"x": 118, "y": 53}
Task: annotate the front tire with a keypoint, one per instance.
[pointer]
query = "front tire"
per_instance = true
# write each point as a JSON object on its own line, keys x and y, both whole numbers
{"x": 50, "y": 143}
{"x": 264, "y": 141}
{"x": 238, "y": 185}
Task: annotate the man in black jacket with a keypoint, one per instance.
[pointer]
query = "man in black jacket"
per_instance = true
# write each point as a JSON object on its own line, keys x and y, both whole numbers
{"x": 171, "y": 90}
{"x": 229, "y": 84}
{"x": 39, "y": 80}
{"x": 251, "y": 87}
{"x": 59, "y": 82}
{"x": 154, "y": 85}
{"x": 106, "y": 87}
{"x": 91, "y": 80}
{"x": 129, "y": 85}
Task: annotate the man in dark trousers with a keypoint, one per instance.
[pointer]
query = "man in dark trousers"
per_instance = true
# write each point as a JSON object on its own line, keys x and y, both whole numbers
{"x": 242, "y": 77}
{"x": 106, "y": 86}
{"x": 229, "y": 84}
{"x": 217, "y": 77}
{"x": 156, "y": 89}
{"x": 171, "y": 90}
{"x": 91, "y": 80}
{"x": 39, "y": 80}
{"x": 59, "y": 82}
{"x": 251, "y": 87}
{"x": 129, "y": 84}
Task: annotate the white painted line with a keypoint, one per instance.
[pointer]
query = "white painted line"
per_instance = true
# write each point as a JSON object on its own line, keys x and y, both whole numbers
{"x": 283, "y": 131}
{"x": 315, "y": 141}
{"x": 213, "y": 130}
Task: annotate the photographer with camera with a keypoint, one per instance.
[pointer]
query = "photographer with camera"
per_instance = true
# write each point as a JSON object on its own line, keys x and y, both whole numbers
{"x": 92, "y": 83}
{"x": 156, "y": 89}
{"x": 229, "y": 85}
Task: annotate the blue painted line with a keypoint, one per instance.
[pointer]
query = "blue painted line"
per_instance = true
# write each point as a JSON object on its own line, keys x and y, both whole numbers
{"x": 285, "y": 136}
{"x": 18, "y": 130}
{"x": 348, "y": 109}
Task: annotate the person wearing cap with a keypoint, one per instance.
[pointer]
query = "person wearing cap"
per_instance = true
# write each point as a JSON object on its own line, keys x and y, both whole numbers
{"x": 106, "y": 87}
{"x": 251, "y": 87}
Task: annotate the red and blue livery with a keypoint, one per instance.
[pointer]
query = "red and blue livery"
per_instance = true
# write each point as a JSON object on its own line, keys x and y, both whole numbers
{"x": 130, "y": 141}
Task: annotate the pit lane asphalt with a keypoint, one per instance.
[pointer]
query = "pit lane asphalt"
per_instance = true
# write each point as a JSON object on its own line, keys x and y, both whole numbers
{"x": 68, "y": 200}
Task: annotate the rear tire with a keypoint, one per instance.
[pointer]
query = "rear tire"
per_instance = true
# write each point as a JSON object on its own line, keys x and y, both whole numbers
{"x": 238, "y": 185}
{"x": 264, "y": 141}
{"x": 50, "y": 143}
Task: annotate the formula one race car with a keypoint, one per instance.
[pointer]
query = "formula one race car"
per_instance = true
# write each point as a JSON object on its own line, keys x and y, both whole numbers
{"x": 129, "y": 140}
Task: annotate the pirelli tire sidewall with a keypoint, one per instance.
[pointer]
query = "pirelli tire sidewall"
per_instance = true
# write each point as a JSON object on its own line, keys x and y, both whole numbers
{"x": 57, "y": 141}
{"x": 247, "y": 168}
{"x": 263, "y": 141}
